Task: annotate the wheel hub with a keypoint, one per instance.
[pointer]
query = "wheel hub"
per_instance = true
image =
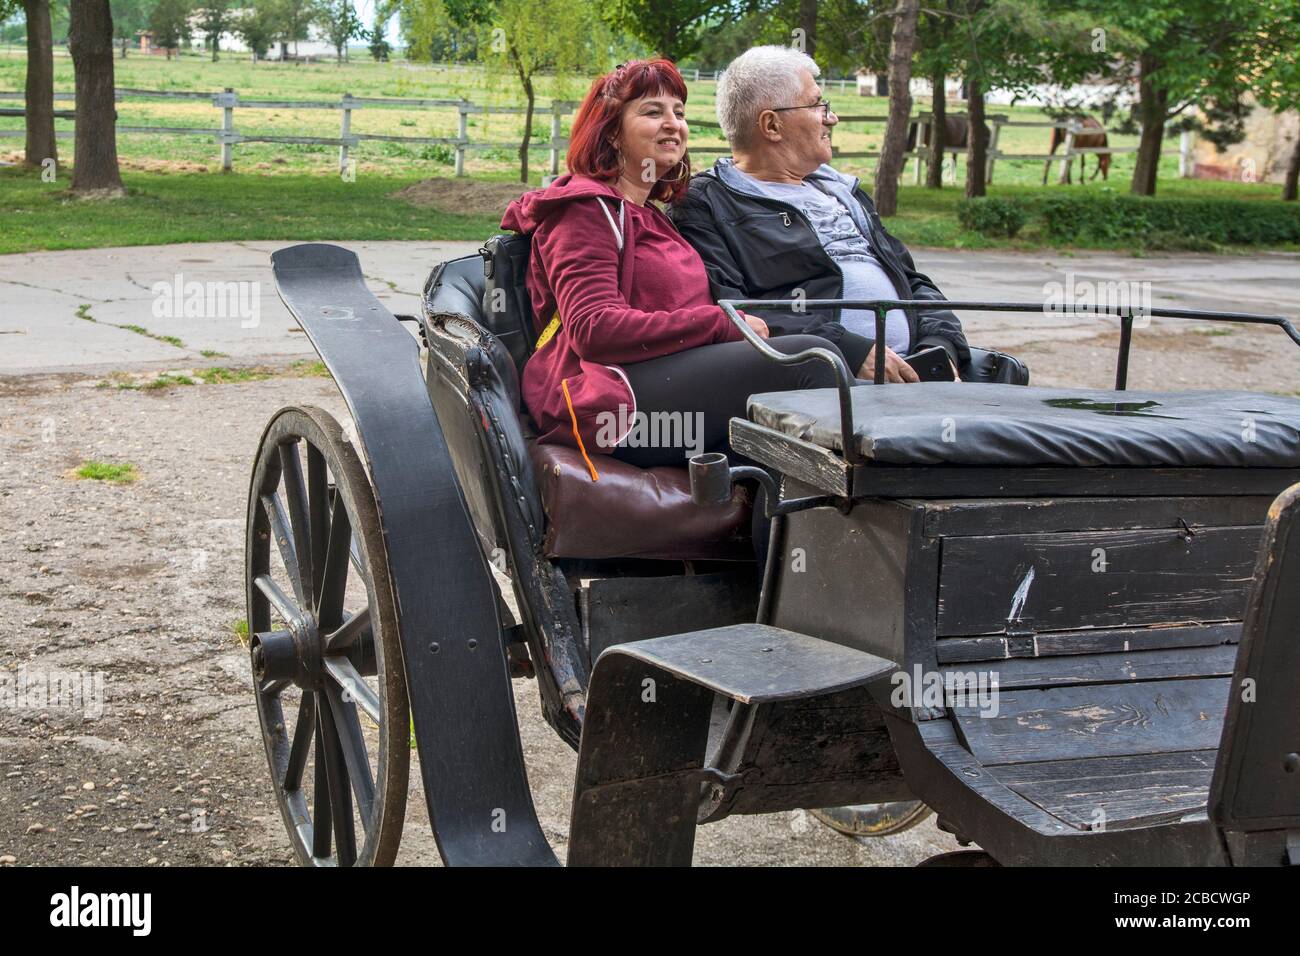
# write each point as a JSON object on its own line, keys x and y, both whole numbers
{"x": 293, "y": 655}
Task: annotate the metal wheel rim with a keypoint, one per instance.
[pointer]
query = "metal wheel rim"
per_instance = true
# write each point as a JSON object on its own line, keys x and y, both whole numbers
{"x": 354, "y": 787}
{"x": 869, "y": 820}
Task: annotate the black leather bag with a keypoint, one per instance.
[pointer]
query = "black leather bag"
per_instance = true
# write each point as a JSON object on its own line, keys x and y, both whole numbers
{"x": 997, "y": 368}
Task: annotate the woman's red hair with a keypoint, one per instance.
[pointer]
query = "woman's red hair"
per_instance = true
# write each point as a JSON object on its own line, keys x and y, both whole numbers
{"x": 601, "y": 114}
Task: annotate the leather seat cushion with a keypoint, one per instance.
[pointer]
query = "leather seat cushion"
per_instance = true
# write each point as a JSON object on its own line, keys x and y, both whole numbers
{"x": 944, "y": 423}
{"x": 634, "y": 512}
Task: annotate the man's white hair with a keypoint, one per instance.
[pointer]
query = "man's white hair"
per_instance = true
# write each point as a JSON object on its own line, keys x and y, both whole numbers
{"x": 761, "y": 78}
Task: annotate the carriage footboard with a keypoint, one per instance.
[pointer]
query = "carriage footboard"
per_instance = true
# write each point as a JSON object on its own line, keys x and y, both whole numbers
{"x": 641, "y": 762}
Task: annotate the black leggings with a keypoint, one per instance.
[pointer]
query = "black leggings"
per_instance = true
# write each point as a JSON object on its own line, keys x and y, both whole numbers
{"x": 684, "y": 401}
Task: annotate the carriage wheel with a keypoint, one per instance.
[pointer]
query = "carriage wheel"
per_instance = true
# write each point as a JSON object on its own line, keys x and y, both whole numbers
{"x": 874, "y": 819}
{"x": 327, "y": 663}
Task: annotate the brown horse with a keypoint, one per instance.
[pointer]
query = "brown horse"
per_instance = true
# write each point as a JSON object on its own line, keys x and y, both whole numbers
{"x": 1082, "y": 140}
{"x": 956, "y": 134}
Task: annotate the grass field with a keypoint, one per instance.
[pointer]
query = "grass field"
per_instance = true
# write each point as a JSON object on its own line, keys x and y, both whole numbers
{"x": 290, "y": 191}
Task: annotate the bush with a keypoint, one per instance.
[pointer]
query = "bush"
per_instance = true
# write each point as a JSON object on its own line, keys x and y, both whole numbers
{"x": 992, "y": 216}
{"x": 438, "y": 153}
{"x": 1164, "y": 223}
{"x": 1149, "y": 222}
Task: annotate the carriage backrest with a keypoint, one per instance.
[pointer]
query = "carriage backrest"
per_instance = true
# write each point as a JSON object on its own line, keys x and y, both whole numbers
{"x": 507, "y": 309}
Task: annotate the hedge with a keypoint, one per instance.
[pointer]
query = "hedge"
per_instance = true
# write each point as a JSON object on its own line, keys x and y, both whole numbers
{"x": 1168, "y": 223}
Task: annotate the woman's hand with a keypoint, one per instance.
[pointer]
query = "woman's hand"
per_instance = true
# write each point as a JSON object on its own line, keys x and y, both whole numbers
{"x": 896, "y": 369}
{"x": 757, "y": 324}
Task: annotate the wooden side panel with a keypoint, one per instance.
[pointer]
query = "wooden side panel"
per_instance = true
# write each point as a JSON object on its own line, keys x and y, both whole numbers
{"x": 1168, "y": 664}
{"x": 989, "y": 647}
{"x": 1109, "y": 793}
{"x": 1066, "y": 723}
{"x": 1050, "y": 582}
{"x": 965, "y": 516}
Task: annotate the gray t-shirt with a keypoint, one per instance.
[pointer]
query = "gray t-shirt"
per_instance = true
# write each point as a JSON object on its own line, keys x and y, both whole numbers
{"x": 864, "y": 277}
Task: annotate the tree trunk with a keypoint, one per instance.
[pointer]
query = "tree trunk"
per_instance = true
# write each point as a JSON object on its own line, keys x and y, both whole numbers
{"x": 40, "y": 85}
{"x": 977, "y": 143}
{"x": 808, "y": 24}
{"x": 90, "y": 41}
{"x": 527, "y": 82}
{"x": 890, "y": 167}
{"x": 1292, "y": 174}
{"x": 938, "y": 133}
{"x": 1152, "y": 112}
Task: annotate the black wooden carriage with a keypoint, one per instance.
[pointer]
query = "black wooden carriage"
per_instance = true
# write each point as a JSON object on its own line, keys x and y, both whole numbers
{"x": 1023, "y": 607}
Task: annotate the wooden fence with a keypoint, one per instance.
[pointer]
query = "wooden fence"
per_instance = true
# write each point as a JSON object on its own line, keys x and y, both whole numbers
{"x": 228, "y": 136}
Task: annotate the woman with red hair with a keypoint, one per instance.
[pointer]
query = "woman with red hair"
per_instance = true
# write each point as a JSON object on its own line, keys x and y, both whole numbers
{"x": 630, "y": 330}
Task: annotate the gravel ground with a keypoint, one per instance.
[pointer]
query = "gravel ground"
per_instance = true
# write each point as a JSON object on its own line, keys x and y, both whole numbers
{"x": 141, "y": 583}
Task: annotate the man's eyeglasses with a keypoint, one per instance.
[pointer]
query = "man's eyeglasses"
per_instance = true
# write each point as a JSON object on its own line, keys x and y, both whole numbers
{"x": 823, "y": 105}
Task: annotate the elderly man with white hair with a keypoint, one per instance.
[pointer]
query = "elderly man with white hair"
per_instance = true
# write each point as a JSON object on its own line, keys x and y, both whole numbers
{"x": 775, "y": 221}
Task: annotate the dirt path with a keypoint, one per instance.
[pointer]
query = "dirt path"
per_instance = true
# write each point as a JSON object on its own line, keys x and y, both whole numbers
{"x": 142, "y": 583}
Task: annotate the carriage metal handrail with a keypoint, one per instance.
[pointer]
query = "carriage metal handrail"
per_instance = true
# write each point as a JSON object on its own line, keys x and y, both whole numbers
{"x": 882, "y": 307}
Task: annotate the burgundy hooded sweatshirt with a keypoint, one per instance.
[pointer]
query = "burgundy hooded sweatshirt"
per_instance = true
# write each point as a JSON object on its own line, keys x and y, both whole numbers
{"x": 615, "y": 308}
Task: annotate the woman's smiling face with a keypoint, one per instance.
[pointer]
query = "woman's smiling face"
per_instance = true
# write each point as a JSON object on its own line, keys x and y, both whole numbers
{"x": 652, "y": 137}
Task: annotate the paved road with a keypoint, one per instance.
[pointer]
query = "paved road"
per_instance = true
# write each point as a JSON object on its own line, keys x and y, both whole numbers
{"x": 47, "y": 297}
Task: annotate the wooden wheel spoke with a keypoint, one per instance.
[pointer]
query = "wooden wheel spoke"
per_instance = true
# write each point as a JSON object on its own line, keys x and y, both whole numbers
{"x": 354, "y": 553}
{"x": 355, "y": 627}
{"x": 321, "y": 810}
{"x": 318, "y": 515}
{"x": 334, "y": 579}
{"x": 353, "y": 746}
{"x": 295, "y": 493}
{"x": 284, "y": 540}
{"x": 347, "y": 678}
{"x": 339, "y": 794}
{"x": 279, "y": 600}
{"x": 302, "y": 737}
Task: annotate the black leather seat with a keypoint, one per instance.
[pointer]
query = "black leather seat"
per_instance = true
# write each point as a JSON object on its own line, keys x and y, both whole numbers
{"x": 946, "y": 423}
{"x": 629, "y": 512}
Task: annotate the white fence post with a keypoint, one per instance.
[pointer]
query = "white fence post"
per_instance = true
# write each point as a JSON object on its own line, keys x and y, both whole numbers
{"x": 998, "y": 120}
{"x": 462, "y": 134}
{"x": 1185, "y": 154}
{"x": 345, "y": 131}
{"x": 227, "y": 101}
{"x": 1068, "y": 156}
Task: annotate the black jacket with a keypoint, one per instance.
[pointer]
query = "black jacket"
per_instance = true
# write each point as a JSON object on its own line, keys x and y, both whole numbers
{"x": 759, "y": 248}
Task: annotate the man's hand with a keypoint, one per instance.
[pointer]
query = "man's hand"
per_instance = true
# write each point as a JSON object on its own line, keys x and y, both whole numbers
{"x": 896, "y": 370}
{"x": 757, "y": 324}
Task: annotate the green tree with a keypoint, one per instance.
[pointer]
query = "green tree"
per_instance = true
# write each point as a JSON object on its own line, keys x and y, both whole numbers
{"x": 215, "y": 18}
{"x": 293, "y": 19}
{"x": 1184, "y": 55}
{"x": 671, "y": 28}
{"x": 256, "y": 26}
{"x": 90, "y": 41}
{"x": 339, "y": 21}
{"x": 1277, "y": 84}
{"x": 129, "y": 16}
{"x": 523, "y": 37}
{"x": 902, "y": 44}
{"x": 39, "y": 119}
{"x": 380, "y": 48}
{"x": 170, "y": 23}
